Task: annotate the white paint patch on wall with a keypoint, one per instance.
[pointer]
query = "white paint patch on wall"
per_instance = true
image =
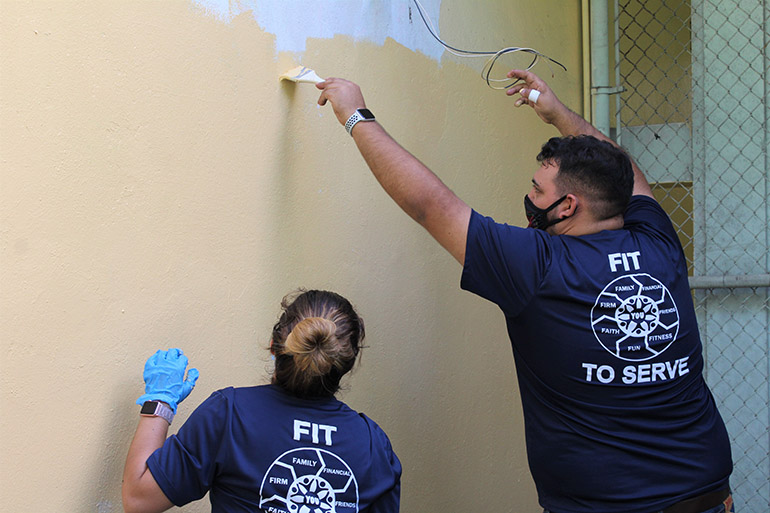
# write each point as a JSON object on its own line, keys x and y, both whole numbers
{"x": 294, "y": 21}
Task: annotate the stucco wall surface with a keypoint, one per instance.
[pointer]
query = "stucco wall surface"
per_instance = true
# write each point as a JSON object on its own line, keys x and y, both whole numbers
{"x": 161, "y": 188}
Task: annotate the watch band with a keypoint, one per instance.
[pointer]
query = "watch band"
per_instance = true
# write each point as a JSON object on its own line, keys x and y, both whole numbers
{"x": 358, "y": 115}
{"x": 157, "y": 409}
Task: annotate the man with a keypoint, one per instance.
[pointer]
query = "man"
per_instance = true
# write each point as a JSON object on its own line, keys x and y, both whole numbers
{"x": 599, "y": 313}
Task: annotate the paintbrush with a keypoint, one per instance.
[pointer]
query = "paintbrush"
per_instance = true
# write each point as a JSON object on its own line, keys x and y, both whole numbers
{"x": 301, "y": 74}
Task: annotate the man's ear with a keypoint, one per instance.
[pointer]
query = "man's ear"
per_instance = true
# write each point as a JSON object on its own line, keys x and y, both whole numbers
{"x": 568, "y": 207}
{"x": 272, "y": 351}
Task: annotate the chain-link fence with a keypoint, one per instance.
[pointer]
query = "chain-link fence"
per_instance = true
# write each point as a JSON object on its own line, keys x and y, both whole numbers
{"x": 694, "y": 113}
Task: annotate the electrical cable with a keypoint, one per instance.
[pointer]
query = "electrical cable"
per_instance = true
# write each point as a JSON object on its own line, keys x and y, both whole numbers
{"x": 487, "y": 69}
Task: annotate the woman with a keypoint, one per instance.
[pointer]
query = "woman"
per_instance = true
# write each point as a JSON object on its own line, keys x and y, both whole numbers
{"x": 287, "y": 447}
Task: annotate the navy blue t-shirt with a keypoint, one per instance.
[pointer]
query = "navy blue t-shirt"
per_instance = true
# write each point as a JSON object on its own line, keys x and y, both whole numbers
{"x": 617, "y": 415}
{"x": 259, "y": 449}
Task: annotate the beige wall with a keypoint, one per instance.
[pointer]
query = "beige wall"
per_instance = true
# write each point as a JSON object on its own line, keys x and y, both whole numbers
{"x": 161, "y": 188}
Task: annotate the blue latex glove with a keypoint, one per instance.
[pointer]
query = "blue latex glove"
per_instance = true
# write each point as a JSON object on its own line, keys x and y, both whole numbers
{"x": 164, "y": 378}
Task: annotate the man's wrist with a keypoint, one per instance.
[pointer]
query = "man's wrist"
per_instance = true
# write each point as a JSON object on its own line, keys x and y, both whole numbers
{"x": 568, "y": 122}
{"x": 358, "y": 116}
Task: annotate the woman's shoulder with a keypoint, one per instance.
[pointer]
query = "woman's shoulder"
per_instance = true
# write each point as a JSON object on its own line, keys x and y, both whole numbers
{"x": 250, "y": 392}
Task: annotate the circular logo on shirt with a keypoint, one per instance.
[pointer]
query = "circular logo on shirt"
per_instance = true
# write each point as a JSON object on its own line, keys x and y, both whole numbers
{"x": 311, "y": 494}
{"x": 309, "y": 480}
{"x": 635, "y": 317}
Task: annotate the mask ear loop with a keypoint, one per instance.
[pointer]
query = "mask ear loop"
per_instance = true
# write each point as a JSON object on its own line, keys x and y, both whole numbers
{"x": 487, "y": 69}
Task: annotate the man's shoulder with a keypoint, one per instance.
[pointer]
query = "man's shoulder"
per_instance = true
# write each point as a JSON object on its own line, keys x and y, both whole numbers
{"x": 641, "y": 201}
{"x": 644, "y": 210}
{"x": 481, "y": 222}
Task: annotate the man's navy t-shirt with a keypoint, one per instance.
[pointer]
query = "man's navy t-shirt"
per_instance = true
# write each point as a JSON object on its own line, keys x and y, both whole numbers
{"x": 259, "y": 449}
{"x": 608, "y": 357}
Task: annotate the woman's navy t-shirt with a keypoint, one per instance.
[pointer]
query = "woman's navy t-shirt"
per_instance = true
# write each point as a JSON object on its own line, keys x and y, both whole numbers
{"x": 259, "y": 449}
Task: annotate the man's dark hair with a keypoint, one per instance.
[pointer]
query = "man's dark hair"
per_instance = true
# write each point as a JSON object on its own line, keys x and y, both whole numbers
{"x": 599, "y": 171}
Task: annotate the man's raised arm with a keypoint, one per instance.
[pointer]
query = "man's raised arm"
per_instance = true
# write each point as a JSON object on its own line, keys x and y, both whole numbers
{"x": 554, "y": 112}
{"x": 414, "y": 187}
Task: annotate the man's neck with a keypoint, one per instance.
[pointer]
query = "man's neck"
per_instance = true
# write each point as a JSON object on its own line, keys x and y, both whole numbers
{"x": 578, "y": 227}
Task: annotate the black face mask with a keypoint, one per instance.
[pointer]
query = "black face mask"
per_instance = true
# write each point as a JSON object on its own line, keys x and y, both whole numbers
{"x": 537, "y": 216}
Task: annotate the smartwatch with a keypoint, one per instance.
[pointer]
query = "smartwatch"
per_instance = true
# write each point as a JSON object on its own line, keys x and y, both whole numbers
{"x": 358, "y": 115}
{"x": 157, "y": 409}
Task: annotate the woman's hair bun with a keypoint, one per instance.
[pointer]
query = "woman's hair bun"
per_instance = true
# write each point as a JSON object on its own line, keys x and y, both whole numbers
{"x": 313, "y": 345}
{"x": 315, "y": 342}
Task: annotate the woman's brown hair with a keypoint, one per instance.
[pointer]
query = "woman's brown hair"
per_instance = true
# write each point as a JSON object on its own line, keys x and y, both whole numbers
{"x": 315, "y": 341}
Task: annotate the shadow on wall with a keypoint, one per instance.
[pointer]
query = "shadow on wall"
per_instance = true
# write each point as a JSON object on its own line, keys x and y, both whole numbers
{"x": 118, "y": 424}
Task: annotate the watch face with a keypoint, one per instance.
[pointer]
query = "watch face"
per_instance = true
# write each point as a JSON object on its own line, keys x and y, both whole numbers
{"x": 149, "y": 407}
{"x": 366, "y": 113}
